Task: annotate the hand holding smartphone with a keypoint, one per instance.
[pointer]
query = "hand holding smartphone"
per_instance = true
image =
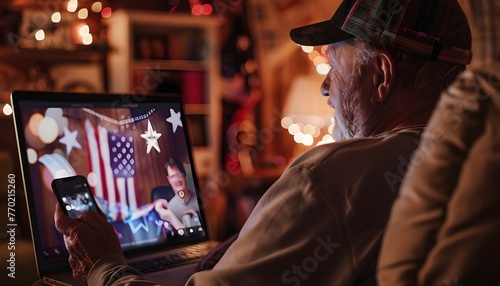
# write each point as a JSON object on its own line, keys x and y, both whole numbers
{"x": 74, "y": 195}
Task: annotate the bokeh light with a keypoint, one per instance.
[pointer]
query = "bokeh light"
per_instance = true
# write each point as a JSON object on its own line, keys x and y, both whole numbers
{"x": 92, "y": 179}
{"x": 106, "y": 12}
{"x": 286, "y": 122}
{"x": 40, "y": 35}
{"x": 96, "y": 7}
{"x": 87, "y": 39}
{"x": 32, "y": 155}
{"x": 72, "y": 6}
{"x": 307, "y": 49}
{"x": 34, "y": 122}
{"x": 47, "y": 130}
{"x": 7, "y": 110}
{"x": 298, "y": 137}
{"x": 56, "y": 17}
{"x": 83, "y": 13}
{"x": 293, "y": 129}
{"x": 84, "y": 30}
{"x": 323, "y": 69}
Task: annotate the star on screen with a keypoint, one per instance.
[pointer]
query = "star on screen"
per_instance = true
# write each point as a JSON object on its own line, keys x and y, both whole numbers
{"x": 69, "y": 139}
{"x": 175, "y": 119}
{"x": 151, "y": 137}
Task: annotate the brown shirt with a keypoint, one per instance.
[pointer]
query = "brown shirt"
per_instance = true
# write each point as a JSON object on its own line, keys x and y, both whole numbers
{"x": 321, "y": 223}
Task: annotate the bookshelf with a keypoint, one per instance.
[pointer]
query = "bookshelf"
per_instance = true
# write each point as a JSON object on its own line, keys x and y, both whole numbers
{"x": 149, "y": 49}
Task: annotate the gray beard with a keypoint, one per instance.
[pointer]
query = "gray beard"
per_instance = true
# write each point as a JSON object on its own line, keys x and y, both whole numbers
{"x": 340, "y": 132}
{"x": 346, "y": 128}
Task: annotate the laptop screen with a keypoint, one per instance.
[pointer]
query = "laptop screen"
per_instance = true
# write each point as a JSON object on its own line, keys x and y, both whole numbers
{"x": 134, "y": 152}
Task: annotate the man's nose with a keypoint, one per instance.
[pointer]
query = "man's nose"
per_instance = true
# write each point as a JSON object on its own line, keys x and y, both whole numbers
{"x": 325, "y": 87}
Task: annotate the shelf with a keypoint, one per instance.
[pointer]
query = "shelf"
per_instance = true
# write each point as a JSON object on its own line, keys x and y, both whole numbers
{"x": 81, "y": 54}
{"x": 171, "y": 65}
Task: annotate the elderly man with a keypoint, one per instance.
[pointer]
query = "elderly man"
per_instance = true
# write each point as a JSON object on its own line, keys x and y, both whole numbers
{"x": 322, "y": 222}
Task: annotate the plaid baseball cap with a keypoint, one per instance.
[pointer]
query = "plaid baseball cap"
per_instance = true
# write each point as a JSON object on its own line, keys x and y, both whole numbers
{"x": 433, "y": 29}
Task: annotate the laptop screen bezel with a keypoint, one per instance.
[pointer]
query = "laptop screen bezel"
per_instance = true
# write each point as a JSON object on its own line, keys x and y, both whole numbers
{"x": 59, "y": 99}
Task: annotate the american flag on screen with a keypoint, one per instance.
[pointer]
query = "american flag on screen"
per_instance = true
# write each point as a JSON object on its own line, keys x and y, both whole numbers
{"x": 111, "y": 160}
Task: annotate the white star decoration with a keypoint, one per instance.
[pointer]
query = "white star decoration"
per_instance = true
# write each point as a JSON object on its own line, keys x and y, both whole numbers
{"x": 151, "y": 137}
{"x": 69, "y": 139}
{"x": 175, "y": 119}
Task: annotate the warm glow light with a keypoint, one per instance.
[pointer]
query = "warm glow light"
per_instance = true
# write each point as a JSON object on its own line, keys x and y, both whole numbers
{"x": 197, "y": 10}
{"x": 83, "y": 13}
{"x": 106, "y": 12}
{"x": 57, "y": 114}
{"x": 92, "y": 179}
{"x": 319, "y": 60}
{"x": 96, "y": 7}
{"x": 32, "y": 156}
{"x": 309, "y": 129}
{"x": 326, "y": 139}
{"x": 293, "y": 129}
{"x": 323, "y": 49}
{"x": 84, "y": 30}
{"x": 330, "y": 128}
{"x": 286, "y": 122}
{"x": 243, "y": 43}
{"x": 250, "y": 66}
{"x": 72, "y": 5}
{"x": 317, "y": 121}
{"x": 313, "y": 54}
{"x": 7, "y": 110}
{"x": 87, "y": 39}
{"x": 307, "y": 49}
{"x": 40, "y": 35}
{"x": 323, "y": 69}
{"x": 34, "y": 122}
{"x": 56, "y": 17}
{"x": 307, "y": 140}
{"x": 207, "y": 9}
{"x": 47, "y": 130}
{"x": 317, "y": 132}
{"x": 298, "y": 137}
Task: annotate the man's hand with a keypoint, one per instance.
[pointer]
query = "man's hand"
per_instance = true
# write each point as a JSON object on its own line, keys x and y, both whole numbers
{"x": 192, "y": 213}
{"x": 88, "y": 238}
{"x": 161, "y": 206}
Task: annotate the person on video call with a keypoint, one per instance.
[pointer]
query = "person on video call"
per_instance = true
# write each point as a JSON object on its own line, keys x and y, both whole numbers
{"x": 322, "y": 222}
{"x": 184, "y": 204}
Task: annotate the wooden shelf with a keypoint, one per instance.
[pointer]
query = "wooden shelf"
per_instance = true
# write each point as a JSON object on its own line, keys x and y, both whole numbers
{"x": 81, "y": 54}
{"x": 172, "y": 64}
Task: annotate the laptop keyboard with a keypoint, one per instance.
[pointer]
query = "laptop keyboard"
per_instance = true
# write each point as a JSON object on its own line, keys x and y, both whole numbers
{"x": 174, "y": 258}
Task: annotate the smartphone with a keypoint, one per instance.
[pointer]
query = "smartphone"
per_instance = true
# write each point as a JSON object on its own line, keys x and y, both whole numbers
{"x": 74, "y": 195}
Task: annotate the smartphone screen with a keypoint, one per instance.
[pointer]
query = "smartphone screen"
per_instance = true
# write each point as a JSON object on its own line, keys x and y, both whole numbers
{"x": 74, "y": 195}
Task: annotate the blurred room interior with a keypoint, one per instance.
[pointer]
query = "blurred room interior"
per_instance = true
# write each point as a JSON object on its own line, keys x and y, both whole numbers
{"x": 252, "y": 96}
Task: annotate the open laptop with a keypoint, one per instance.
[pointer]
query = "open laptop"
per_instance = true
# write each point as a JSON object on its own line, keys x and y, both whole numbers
{"x": 120, "y": 143}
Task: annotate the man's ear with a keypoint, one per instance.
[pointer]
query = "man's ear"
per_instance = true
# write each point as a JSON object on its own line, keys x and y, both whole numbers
{"x": 385, "y": 69}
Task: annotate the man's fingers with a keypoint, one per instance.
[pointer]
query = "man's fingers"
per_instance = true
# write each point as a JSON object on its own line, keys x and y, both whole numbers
{"x": 93, "y": 220}
{"x": 63, "y": 222}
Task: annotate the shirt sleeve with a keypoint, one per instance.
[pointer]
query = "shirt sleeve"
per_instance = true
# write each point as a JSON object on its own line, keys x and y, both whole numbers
{"x": 113, "y": 270}
{"x": 293, "y": 237}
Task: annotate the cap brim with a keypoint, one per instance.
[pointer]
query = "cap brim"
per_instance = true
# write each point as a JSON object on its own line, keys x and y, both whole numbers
{"x": 318, "y": 34}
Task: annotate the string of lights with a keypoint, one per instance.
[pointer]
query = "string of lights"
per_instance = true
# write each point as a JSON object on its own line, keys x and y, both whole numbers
{"x": 119, "y": 122}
